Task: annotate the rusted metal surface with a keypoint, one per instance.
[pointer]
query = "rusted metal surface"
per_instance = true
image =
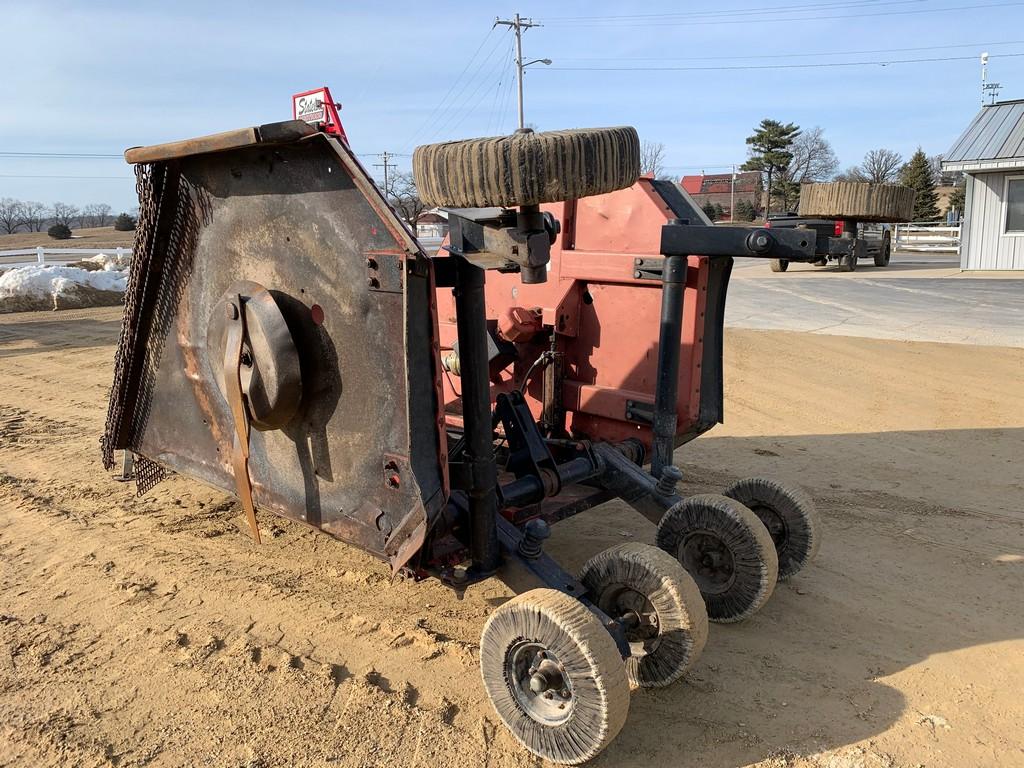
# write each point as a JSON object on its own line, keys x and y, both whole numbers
{"x": 302, "y": 218}
{"x": 220, "y": 142}
{"x": 607, "y": 317}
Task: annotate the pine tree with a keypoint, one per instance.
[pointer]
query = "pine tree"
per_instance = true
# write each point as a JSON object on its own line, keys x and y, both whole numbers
{"x": 59, "y": 232}
{"x": 770, "y": 153}
{"x": 744, "y": 210}
{"x": 124, "y": 223}
{"x": 709, "y": 210}
{"x": 918, "y": 174}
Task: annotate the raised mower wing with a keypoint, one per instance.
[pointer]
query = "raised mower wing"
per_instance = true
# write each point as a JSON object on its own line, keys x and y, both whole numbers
{"x": 360, "y": 452}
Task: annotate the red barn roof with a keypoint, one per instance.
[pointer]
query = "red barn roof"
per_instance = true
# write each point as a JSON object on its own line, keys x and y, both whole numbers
{"x": 707, "y": 183}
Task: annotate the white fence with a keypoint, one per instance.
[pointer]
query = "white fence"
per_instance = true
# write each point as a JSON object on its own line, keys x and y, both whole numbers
{"x": 40, "y": 254}
{"x": 926, "y": 237}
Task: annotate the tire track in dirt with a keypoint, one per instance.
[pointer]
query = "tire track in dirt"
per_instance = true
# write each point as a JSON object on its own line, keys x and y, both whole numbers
{"x": 151, "y": 631}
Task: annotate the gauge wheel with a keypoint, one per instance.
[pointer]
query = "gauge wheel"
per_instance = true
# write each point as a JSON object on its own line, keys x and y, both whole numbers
{"x": 527, "y": 168}
{"x": 554, "y": 675}
{"x": 659, "y": 605}
{"x": 779, "y": 265}
{"x": 789, "y": 515}
{"x": 726, "y": 549}
{"x": 848, "y": 262}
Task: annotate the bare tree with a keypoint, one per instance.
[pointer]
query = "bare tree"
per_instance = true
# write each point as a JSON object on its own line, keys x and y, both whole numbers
{"x": 652, "y": 158}
{"x": 402, "y": 194}
{"x": 96, "y": 215}
{"x": 813, "y": 160}
{"x": 853, "y": 173}
{"x": 65, "y": 213}
{"x": 36, "y": 215}
{"x": 12, "y": 215}
{"x": 881, "y": 166}
{"x": 813, "y": 157}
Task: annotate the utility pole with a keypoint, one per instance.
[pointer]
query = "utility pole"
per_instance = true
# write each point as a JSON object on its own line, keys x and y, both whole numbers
{"x": 732, "y": 197}
{"x": 518, "y": 24}
{"x": 386, "y": 157}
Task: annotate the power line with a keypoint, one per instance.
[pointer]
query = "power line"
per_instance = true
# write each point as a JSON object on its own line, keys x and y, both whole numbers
{"x": 794, "y": 55}
{"x": 470, "y": 100}
{"x": 20, "y": 176}
{"x": 504, "y": 87}
{"x": 62, "y": 155}
{"x": 436, "y": 113}
{"x": 756, "y": 16}
{"x": 506, "y": 99}
{"x": 386, "y": 157}
{"x": 518, "y": 24}
{"x": 761, "y": 8}
{"x": 817, "y": 65}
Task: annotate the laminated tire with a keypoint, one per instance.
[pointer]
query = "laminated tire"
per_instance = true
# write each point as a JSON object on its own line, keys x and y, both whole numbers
{"x": 726, "y": 549}
{"x": 527, "y": 168}
{"x": 789, "y": 515}
{"x": 858, "y": 201}
{"x": 661, "y": 607}
{"x": 554, "y": 675}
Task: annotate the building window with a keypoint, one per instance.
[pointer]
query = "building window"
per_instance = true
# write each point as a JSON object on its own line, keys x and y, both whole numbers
{"x": 1014, "y": 197}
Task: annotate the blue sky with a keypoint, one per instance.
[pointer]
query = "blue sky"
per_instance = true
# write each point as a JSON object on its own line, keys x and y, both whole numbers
{"x": 98, "y": 77}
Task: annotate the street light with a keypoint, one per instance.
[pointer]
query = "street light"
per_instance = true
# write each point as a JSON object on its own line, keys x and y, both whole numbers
{"x": 520, "y": 67}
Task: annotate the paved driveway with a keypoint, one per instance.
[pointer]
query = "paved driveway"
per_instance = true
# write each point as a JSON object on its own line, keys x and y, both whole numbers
{"x": 918, "y": 297}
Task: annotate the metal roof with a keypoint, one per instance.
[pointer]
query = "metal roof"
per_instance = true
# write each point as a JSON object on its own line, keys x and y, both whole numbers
{"x": 993, "y": 141}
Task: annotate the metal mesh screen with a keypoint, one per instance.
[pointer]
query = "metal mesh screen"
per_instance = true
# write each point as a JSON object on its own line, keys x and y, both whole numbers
{"x": 165, "y": 239}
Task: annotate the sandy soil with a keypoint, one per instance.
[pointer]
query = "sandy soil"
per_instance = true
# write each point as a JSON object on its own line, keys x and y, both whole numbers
{"x": 151, "y": 631}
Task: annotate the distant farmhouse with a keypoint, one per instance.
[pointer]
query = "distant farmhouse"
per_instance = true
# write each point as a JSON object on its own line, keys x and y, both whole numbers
{"x": 991, "y": 153}
{"x": 717, "y": 189}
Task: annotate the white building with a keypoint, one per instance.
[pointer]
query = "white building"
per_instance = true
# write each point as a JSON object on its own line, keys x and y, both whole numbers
{"x": 991, "y": 153}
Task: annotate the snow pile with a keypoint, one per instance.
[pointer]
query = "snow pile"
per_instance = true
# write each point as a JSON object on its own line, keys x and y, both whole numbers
{"x": 53, "y": 287}
{"x": 109, "y": 263}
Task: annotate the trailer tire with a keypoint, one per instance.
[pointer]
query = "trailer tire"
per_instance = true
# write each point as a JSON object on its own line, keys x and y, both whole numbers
{"x": 884, "y": 252}
{"x": 650, "y": 586}
{"x": 574, "y": 654}
{"x": 527, "y": 168}
{"x": 790, "y": 516}
{"x": 778, "y": 265}
{"x": 727, "y": 550}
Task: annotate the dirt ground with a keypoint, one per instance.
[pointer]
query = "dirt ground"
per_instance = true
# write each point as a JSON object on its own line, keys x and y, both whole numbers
{"x": 151, "y": 631}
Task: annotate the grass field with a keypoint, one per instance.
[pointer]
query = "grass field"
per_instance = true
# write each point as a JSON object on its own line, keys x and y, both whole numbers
{"x": 92, "y": 237}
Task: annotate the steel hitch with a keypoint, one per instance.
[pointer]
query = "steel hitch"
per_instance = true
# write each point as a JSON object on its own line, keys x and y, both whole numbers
{"x": 503, "y": 239}
{"x": 790, "y": 244}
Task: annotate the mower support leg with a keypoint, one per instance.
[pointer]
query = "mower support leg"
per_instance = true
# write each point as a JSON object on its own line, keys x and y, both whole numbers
{"x": 636, "y": 487}
{"x": 667, "y": 388}
{"x": 471, "y": 321}
{"x": 552, "y": 575}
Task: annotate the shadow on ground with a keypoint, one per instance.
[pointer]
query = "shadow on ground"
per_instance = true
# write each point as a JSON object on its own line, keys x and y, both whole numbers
{"x": 918, "y": 577}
